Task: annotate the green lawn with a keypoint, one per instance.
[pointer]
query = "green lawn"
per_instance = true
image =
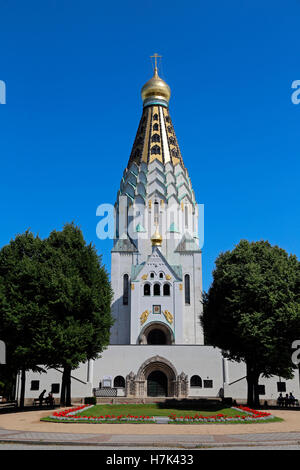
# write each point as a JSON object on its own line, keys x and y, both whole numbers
{"x": 155, "y": 409}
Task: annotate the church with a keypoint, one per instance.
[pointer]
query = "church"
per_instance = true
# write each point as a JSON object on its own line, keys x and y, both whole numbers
{"x": 157, "y": 343}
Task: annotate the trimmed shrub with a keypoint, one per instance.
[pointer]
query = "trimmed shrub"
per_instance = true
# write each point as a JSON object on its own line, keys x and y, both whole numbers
{"x": 90, "y": 400}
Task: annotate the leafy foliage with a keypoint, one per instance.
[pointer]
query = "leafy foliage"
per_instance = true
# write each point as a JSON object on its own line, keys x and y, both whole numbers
{"x": 252, "y": 310}
{"x": 55, "y": 299}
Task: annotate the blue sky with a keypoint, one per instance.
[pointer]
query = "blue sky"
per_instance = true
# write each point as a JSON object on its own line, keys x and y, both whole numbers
{"x": 73, "y": 72}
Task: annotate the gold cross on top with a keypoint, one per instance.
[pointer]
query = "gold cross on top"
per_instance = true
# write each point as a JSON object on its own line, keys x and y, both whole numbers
{"x": 155, "y": 56}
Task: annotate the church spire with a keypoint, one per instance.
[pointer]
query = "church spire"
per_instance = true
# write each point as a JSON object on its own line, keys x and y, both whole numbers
{"x": 155, "y": 138}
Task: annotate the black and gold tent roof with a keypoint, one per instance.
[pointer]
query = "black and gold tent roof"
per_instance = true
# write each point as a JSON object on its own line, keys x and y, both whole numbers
{"x": 155, "y": 138}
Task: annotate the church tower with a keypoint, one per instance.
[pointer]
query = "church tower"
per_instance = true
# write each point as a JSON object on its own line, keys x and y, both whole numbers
{"x": 157, "y": 346}
{"x": 156, "y": 270}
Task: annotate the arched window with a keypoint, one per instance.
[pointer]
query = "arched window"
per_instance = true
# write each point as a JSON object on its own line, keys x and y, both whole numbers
{"x": 161, "y": 275}
{"x": 156, "y": 213}
{"x": 155, "y": 117}
{"x": 156, "y": 289}
{"x": 147, "y": 289}
{"x": 187, "y": 289}
{"x": 125, "y": 289}
{"x": 186, "y": 217}
{"x": 155, "y": 138}
{"x": 155, "y": 127}
{"x": 196, "y": 381}
{"x": 152, "y": 275}
{"x": 155, "y": 150}
{"x": 119, "y": 381}
{"x": 166, "y": 289}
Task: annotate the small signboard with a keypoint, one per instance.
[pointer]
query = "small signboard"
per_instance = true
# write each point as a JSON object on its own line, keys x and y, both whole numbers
{"x": 107, "y": 380}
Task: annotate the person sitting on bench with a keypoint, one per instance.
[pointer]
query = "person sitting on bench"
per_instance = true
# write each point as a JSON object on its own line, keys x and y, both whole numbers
{"x": 41, "y": 397}
{"x": 291, "y": 399}
{"x": 50, "y": 400}
{"x": 280, "y": 400}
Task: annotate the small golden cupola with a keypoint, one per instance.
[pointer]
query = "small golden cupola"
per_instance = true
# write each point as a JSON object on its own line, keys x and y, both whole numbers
{"x": 156, "y": 238}
{"x": 156, "y": 90}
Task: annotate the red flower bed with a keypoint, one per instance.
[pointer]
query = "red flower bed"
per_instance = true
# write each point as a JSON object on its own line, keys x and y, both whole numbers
{"x": 70, "y": 415}
{"x": 219, "y": 418}
{"x": 251, "y": 415}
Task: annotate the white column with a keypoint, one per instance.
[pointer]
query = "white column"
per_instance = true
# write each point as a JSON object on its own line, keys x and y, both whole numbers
{"x": 90, "y": 371}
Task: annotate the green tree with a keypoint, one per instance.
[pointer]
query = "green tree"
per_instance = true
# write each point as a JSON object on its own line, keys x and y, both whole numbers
{"x": 55, "y": 299}
{"x": 252, "y": 310}
{"x": 79, "y": 301}
{"x": 22, "y": 307}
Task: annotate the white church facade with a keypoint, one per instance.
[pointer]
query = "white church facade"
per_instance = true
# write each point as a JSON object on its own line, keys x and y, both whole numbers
{"x": 157, "y": 343}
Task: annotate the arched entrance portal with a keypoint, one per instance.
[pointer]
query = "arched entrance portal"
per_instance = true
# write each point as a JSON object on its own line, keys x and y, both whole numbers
{"x": 156, "y": 333}
{"x": 157, "y": 377}
{"x": 157, "y": 384}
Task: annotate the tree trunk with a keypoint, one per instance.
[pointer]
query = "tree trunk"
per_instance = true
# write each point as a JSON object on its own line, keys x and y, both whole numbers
{"x": 250, "y": 385}
{"x": 252, "y": 380}
{"x": 22, "y": 393}
{"x": 63, "y": 389}
{"x": 68, "y": 386}
{"x": 256, "y": 394}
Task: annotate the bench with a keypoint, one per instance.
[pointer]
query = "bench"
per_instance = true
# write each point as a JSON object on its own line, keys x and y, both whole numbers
{"x": 8, "y": 404}
{"x": 38, "y": 401}
{"x": 283, "y": 404}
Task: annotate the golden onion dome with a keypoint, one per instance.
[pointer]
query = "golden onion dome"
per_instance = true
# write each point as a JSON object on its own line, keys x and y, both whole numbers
{"x": 156, "y": 90}
{"x": 156, "y": 238}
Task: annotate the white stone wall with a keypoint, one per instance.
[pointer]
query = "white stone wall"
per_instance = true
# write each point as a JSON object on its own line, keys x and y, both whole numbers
{"x": 80, "y": 386}
{"x": 191, "y": 265}
{"x": 141, "y": 303}
{"x": 236, "y": 383}
{"x": 120, "y": 265}
{"x": 205, "y": 361}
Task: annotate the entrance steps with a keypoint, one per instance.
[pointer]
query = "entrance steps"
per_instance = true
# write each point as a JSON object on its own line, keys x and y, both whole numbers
{"x": 208, "y": 401}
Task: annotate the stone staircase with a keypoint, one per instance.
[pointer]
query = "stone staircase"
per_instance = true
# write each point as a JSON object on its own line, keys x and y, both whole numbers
{"x": 210, "y": 401}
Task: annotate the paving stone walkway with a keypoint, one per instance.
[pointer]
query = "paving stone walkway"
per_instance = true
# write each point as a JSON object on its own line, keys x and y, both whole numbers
{"x": 178, "y": 440}
{"x": 26, "y": 428}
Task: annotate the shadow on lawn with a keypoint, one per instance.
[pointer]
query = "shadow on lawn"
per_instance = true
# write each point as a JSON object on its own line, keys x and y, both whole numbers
{"x": 197, "y": 405}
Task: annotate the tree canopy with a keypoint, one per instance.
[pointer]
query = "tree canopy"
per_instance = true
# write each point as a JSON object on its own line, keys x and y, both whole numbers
{"x": 252, "y": 309}
{"x": 55, "y": 299}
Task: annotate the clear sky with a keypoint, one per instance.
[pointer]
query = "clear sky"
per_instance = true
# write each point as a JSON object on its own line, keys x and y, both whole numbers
{"x": 73, "y": 71}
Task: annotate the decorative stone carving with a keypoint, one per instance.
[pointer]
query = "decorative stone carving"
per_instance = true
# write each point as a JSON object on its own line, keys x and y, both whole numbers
{"x": 136, "y": 385}
{"x": 144, "y": 316}
{"x": 168, "y": 316}
{"x": 182, "y": 385}
{"x": 130, "y": 388}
